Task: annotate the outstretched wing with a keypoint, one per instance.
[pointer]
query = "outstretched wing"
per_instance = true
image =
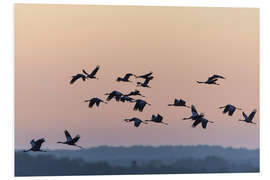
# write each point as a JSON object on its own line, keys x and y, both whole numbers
{"x": 85, "y": 72}
{"x": 97, "y": 103}
{"x": 145, "y": 75}
{"x": 218, "y": 76}
{"x": 123, "y": 98}
{"x": 194, "y": 111}
{"x": 39, "y": 142}
{"x": 127, "y": 76}
{"x": 137, "y": 123}
{"x": 32, "y": 142}
{"x": 150, "y": 78}
{"x": 226, "y": 109}
{"x": 92, "y": 102}
{"x": 204, "y": 124}
{"x": 118, "y": 97}
{"x": 159, "y": 117}
{"x": 74, "y": 78}
{"x": 136, "y": 106}
{"x": 213, "y": 80}
{"x": 149, "y": 74}
{"x": 231, "y": 112}
{"x": 252, "y": 114}
{"x": 146, "y": 81}
{"x": 141, "y": 106}
{"x": 244, "y": 114}
{"x": 215, "y": 76}
{"x": 93, "y": 73}
{"x": 74, "y": 140}
{"x": 110, "y": 96}
{"x": 198, "y": 121}
{"x": 182, "y": 101}
{"x": 68, "y": 136}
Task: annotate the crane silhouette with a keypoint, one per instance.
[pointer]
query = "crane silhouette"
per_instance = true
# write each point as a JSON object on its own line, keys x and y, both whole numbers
{"x": 136, "y": 121}
{"x": 94, "y": 101}
{"x": 212, "y": 79}
{"x": 92, "y": 74}
{"x": 195, "y": 115}
{"x": 230, "y": 109}
{"x": 36, "y": 145}
{"x": 125, "y": 78}
{"x": 248, "y": 119}
{"x": 140, "y": 104}
{"x": 76, "y": 77}
{"x": 145, "y": 76}
{"x": 198, "y": 118}
{"x": 157, "y": 119}
{"x": 70, "y": 141}
{"x": 135, "y": 93}
{"x": 114, "y": 94}
{"x": 125, "y": 98}
{"x": 179, "y": 102}
{"x": 146, "y": 82}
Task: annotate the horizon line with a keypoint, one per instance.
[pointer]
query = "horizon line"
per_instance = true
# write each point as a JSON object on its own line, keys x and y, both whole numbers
{"x": 153, "y": 146}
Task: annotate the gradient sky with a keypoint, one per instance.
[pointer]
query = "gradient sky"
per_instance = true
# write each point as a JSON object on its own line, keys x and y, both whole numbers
{"x": 180, "y": 45}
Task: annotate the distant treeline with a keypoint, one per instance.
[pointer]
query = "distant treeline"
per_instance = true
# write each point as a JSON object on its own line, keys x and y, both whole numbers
{"x": 49, "y": 165}
{"x": 122, "y": 156}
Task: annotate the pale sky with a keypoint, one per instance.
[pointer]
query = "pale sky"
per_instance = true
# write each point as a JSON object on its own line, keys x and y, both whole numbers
{"x": 180, "y": 46}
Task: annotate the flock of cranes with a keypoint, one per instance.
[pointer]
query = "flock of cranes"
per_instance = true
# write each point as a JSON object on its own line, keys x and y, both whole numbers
{"x": 36, "y": 145}
{"x": 197, "y": 118}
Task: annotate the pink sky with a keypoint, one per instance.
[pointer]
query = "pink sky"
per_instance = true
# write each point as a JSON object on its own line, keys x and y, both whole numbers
{"x": 180, "y": 45}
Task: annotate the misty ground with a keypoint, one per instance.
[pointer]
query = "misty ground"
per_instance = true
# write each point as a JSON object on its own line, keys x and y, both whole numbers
{"x": 106, "y": 160}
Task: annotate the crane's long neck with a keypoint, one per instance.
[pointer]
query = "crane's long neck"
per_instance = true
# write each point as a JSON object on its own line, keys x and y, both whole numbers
{"x": 200, "y": 82}
{"x": 187, "y": 118}
{"x": 61, "y": 142}
{"x": 27, "y": 150}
